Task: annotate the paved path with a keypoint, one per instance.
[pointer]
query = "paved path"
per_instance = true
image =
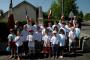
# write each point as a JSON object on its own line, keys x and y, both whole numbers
{"x": 84, "y": 56}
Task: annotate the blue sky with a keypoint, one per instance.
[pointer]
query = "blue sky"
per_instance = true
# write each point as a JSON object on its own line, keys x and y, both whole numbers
{"x": 83, "y": 4}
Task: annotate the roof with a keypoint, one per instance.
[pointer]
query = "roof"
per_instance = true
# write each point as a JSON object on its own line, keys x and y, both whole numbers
{"x": 24, "y": 2}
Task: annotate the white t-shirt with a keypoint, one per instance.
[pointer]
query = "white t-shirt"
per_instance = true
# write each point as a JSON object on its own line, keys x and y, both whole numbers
{"x": 77, "y": 31}
{"x": 29, "y": 38}
{"x": 60, "y": 25}
{"x": 43, "y": 31}
{"x": 71, "y": 36}
{"x": 53, "y": 26}
{"x": 30, "y": 41}
{"x": 46, "y": 40}
{"x": 18, "y": 41}
{"x": 11, "y": 37}
{"x": 28, "y": 27}
{"x": 62, "y": 40}
{"x": 65, "y": 30}
{"x": 34, "y": 28}
{"x": 54, "y": 40}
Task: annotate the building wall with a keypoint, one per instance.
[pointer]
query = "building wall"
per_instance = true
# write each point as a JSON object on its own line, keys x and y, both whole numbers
{"x": 20, "y": 13}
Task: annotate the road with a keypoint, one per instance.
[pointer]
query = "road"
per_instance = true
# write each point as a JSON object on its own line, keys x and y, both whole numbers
{"x": 84, "y": 56}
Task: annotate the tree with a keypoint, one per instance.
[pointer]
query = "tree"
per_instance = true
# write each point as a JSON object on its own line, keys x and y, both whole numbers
{"x": 87, "y": 16}
{"x": 69, "y": 5}
{"x": 55, "y": 7}
{"x": 1, "y": 14}
{"x": 80, "y": 15}
{"x": 45, "y": 14}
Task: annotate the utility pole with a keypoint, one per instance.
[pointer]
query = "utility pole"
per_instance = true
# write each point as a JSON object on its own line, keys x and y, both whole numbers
{"x": 62, "y": 7}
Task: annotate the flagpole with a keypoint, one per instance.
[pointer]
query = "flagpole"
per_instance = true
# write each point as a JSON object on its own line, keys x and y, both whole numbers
{"x": 62, "y": 8}
{"x": 26, "y": 13}
{"x": 10, "y": 16}
{"x": 49, "y": 16}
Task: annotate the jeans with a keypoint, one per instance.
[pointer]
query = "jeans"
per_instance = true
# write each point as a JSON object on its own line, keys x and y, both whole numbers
{"x": 54, "y": 49}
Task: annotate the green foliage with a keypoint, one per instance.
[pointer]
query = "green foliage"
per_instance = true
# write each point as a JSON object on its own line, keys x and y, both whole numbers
{"x": 87, "y": 16}
{"x": 3, "y": 31}
{"x": 80, "y": 15}
{"x": 56, "y": 11}
{"x": 45, "y": 15}
{"x": 69, "y": 5}
{"x": 45, "y": 21}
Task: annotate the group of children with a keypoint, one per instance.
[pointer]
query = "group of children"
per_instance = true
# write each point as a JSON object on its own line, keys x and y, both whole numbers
{"x": 51, "y": 40}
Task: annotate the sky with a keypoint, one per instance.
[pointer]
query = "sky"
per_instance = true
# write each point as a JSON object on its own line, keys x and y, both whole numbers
{"x": 84, "y": 5}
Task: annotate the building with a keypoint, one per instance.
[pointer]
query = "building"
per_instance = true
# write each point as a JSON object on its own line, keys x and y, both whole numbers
{"x": 19, "y": 12}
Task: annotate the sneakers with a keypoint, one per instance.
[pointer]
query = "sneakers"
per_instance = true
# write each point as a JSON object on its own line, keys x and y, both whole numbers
{"x": 18, "y": 58}
{"x": 56, "y": 57}
{"x": 60, "y": 56}
{"x": 53, "y": 57}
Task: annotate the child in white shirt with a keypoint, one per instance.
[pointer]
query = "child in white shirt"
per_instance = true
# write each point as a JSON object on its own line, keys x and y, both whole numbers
{"x": 31, "y": 43}
{"x": 72, "y": 41}
{"x": 18, "y": 43}
{"x": 11, "y": 43}
{"x": 46, "y": 43}
{"x": 77, "y": 32}
{"x": 38, "y": 38}
{"x": 61, "y": 42}
{"x": 54, "y": 44}
{"x": 24, "y": 34}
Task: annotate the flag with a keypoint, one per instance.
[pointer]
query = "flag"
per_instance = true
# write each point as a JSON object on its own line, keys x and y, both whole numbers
{"x": 49, "y": 15}
{"x": 62, "y": 18}
{"x": 26, "y": 14}
{"x": 27, "y": 17}
{"x": 11, "y": 22}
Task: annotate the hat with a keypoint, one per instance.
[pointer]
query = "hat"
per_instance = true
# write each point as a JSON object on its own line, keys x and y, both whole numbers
{"x": 54, "y": 32}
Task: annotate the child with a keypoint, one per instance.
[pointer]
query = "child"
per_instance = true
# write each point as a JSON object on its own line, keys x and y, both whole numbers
{"x": 24, "y": 34}
{"x": 72, "y": 41}
{"x": 54, "y": 44}
{"x": 77, "y": 32}
{"x": 37, "y": 38}
{"x": 31, "y": 43}
{"x": 19, "y": 44}
{"x": 11, "y": 43}
{"x": 46, "y": 44}
{"x": 61, "y": 42}
{"x": 55, "y": 25}
{"x": 49, "y": 29}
